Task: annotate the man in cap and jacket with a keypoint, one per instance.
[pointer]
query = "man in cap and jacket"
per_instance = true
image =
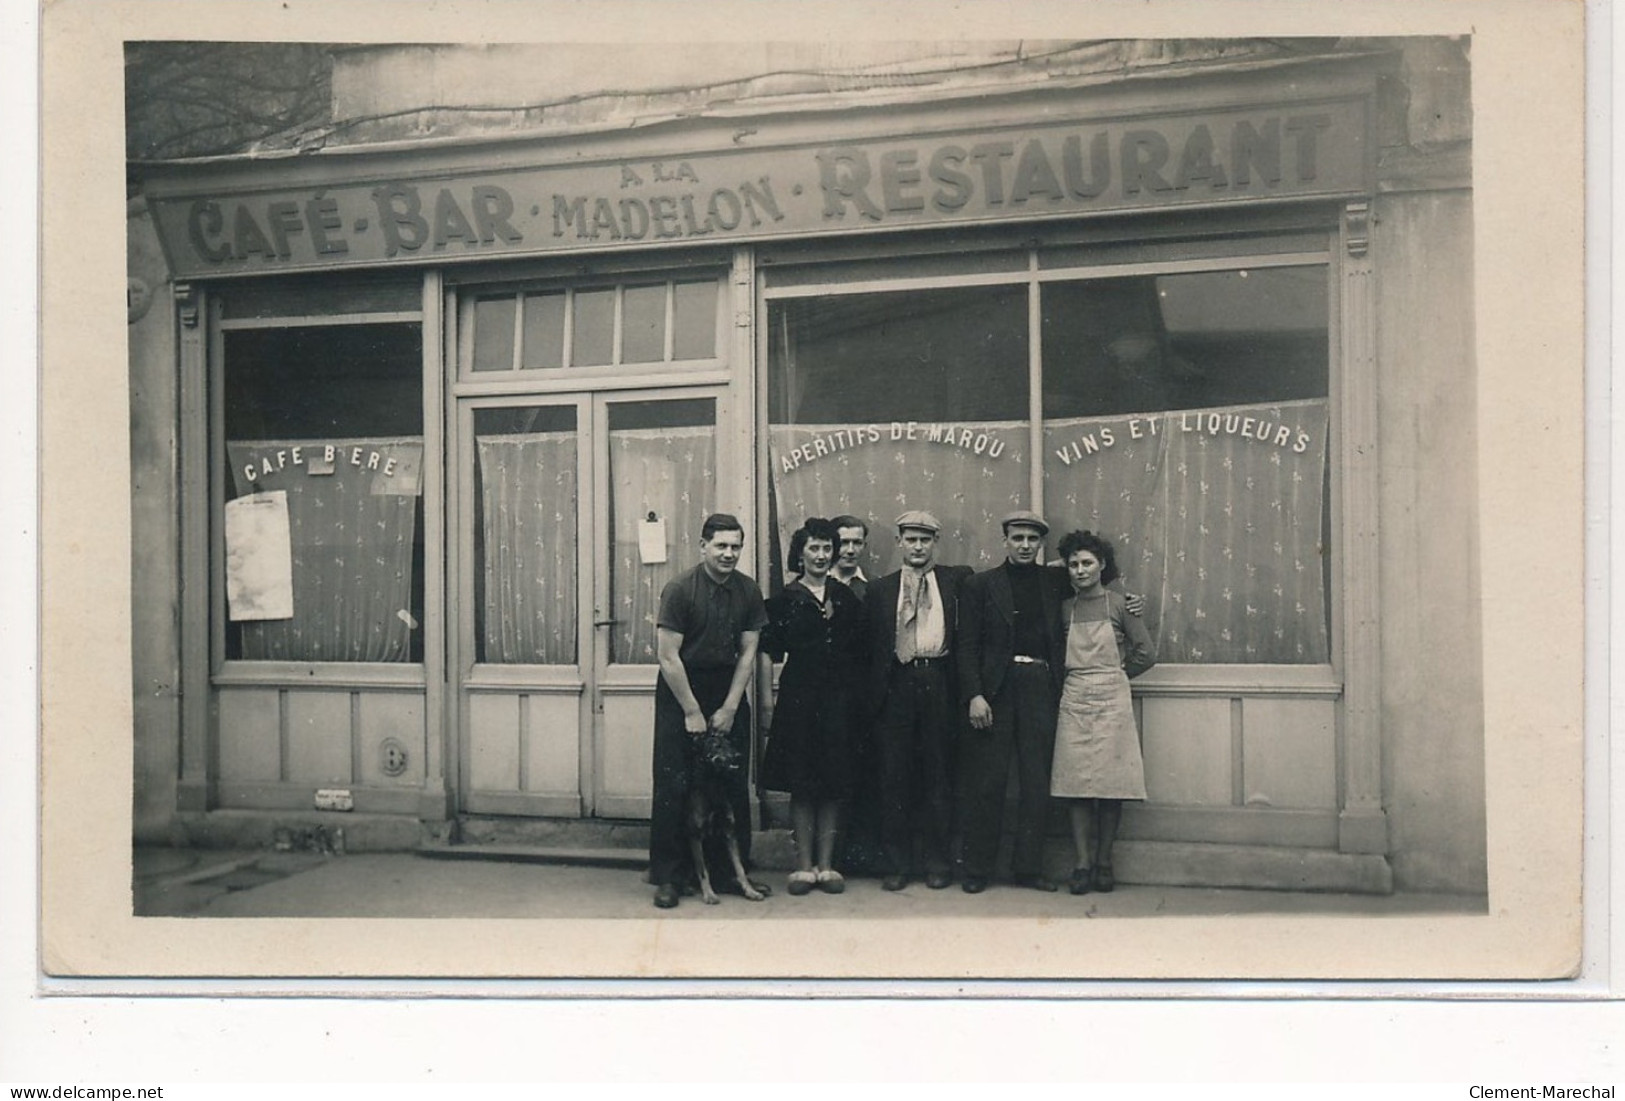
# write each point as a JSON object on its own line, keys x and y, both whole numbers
{"x": 1010, "y": 666}
{"x": 912, "y": 615}
{"x": 1011, "y": 662}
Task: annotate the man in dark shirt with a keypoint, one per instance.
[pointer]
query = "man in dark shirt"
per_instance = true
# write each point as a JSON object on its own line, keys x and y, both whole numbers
{"x": 710, "y": 621}
{"x": 1011, "y": 663}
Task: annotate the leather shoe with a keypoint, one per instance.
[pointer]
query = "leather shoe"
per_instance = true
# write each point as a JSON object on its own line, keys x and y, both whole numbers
{"x": 938, "y": 880}
{"x": 1037, "y": 882}
{"x": 667, "y": 896}
{"x": 974, "y": 884}
{"x": 894, "y": 883}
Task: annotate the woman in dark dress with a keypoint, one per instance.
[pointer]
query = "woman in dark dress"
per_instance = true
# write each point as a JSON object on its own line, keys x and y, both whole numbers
{"x": 816, "y": 626}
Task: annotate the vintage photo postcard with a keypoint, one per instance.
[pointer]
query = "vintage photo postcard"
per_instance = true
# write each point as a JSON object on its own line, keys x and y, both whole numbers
{"x": 980, "y": 492}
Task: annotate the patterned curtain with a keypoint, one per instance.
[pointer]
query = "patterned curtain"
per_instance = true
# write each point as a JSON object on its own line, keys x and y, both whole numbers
{"x": 968, "y": 474}
{"x": 670, "y": 472}
{"x": 1217, "y": 516}
{"x": 352, "y": 507}
{"x": 528, "y": 500}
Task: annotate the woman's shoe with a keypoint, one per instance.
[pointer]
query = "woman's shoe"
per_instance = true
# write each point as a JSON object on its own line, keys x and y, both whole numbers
{"x": 1105, "y": 882}
{"x": 1081, "y": 881}
{"x": 802, "y": 882}
{"x": 830, "y": 881}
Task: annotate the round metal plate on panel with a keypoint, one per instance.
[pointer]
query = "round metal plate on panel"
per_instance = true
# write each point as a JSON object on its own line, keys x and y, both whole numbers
{"x": 393, "y": 757}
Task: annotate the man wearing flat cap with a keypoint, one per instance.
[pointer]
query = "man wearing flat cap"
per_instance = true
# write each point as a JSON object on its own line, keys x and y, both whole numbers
{"x": 1011, "y": 663}
{"x": 1010, "y": 666}
{"x": 912, "y": 615}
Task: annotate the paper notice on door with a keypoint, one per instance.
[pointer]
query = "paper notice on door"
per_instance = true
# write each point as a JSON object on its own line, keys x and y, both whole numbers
{"x": 652, "y": 542}
{"x": 259, "y": 557}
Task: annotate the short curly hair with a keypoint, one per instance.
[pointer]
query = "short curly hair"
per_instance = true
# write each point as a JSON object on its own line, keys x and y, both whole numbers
{"x": 816, "y": 527}
{"x": 1075, "y": 541}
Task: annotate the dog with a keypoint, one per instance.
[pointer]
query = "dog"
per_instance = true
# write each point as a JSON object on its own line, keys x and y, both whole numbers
{"x": 710, "y": 813}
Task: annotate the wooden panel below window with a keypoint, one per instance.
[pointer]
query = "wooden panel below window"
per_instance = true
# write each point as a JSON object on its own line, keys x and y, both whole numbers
{"x": 250, "y": 734}
{"x": 319, "y": 737}
{"x": 553, "y": 736}
{"x": 385, "y": 715}
{"x": 1187, "y": 746}
{"x": 493, "y": 741}
{"x": 1289, "y": 753}
{"x": 626, "y": 750}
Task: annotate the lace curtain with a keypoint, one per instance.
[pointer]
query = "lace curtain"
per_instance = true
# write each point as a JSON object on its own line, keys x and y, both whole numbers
{"x": 670, "y": 472}
{"x": 1217, "y": 515}
{"x": 528, "y": 526}
{"x": 967, "y": 474}
{"x": 352, "y": 509}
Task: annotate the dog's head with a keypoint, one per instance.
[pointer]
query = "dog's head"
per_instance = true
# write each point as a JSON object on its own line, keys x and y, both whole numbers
{"x": 715, "y": 755}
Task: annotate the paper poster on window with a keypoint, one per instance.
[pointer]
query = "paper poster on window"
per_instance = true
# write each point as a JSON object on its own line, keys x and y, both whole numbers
{"x": 259, "y": 557}
{"x": 652, "y": 541}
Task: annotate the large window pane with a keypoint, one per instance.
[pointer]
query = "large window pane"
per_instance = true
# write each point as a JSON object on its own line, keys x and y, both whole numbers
{"x": 885, "y": 402}
{"x": 1189, "y": 341}
{"x": 525, "y": 535}
{"x": 323, "y": 537}
{"x": 662, "y": 470}
{"x": 1187, "y": 421}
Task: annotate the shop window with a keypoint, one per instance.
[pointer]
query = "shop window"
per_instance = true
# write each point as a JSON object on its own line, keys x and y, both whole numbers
{"x": 525, "y": 505}
{"x": 1186, "y": 419}
{"x": 651, "y": 323}
{"x": 884, "y": 402}
{"x": 323, "y": 536}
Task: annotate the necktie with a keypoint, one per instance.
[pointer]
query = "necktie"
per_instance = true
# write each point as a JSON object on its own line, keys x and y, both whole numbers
{"x": 916, "y": 598}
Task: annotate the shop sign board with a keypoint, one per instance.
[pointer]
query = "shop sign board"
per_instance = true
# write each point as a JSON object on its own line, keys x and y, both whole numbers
{"x": 1303, "y": 150}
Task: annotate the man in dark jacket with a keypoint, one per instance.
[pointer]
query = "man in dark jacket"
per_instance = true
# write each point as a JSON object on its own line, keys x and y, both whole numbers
{"x": 912, "y": 615}
{"x": 1011, "y": 660}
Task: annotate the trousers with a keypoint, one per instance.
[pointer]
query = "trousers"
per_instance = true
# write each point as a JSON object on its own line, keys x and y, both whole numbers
{"x": 669, "y": 856}
{"x": 1024, "y": 715}
{"x": 914, "y": 733}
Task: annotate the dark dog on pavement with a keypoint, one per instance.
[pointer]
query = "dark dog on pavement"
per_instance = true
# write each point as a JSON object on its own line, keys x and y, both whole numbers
{"x": 710, "y": 813}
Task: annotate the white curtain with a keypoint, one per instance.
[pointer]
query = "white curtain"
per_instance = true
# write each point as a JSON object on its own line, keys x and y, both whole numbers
{"x": 351, "y": 522}
{"x": 671, "y": 473}
{"x": 968, "y": 474}
{"x": 1217, "y": 515}
{"x": 528, "y": 500}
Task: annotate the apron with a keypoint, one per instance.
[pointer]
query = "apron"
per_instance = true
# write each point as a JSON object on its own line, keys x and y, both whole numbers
{"x": 1097, "y": 745}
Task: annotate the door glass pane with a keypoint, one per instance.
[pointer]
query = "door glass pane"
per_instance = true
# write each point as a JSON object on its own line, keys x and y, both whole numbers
{"x": 493, "y": 334}
{"x": 1186, "y": 420}
{"x": 544, "y": 330}
{"x": 662, "y": 468}
{"x": 884, "y": 402}
{"x": 593, "y": 338}
{"x": 525, "y": 504}
{"x": 695, "y": 321}
{"x": 643, "y": 324}
{"x": 323, "y": 535}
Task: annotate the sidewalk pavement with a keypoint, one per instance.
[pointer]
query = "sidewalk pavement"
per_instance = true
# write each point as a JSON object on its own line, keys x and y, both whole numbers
{"x": 218, "y": 884}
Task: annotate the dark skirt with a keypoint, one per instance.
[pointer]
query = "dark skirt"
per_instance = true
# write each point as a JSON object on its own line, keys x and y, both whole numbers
{"x": 813, "y": 743}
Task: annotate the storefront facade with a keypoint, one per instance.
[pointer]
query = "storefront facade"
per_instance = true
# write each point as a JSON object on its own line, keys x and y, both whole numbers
{"x": 424, "y": 426}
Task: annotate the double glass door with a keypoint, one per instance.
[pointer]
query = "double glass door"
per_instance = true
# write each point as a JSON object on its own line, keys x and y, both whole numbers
{"x": 572, "y": 512}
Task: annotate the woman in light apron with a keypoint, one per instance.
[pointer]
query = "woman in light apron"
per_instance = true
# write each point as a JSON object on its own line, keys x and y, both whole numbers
{"x": 1097, "y": 761}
